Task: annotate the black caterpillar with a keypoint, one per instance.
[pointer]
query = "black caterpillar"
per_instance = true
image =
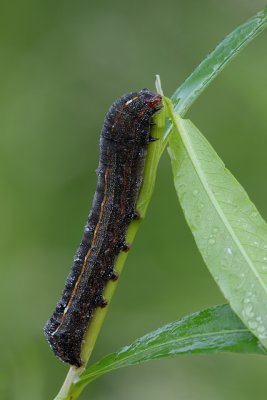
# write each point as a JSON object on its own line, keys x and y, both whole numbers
{"x": 123, "y": 147}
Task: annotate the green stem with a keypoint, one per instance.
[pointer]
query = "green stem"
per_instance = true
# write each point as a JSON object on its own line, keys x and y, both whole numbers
{"x": 67, "y": 391}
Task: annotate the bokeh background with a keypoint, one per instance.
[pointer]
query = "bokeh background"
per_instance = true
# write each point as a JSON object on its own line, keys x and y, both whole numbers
{"x": 62, "y": 64}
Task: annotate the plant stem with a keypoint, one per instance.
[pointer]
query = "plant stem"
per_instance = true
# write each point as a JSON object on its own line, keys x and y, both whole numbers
{"x": 152, "y": 159}
{"x": 72, "y": 375}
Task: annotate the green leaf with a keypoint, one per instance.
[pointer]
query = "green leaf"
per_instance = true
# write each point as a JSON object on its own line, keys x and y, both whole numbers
{"x": 214, "y": 63}
{"x": 229, "y": 231}
{"x": 213, "y": 330}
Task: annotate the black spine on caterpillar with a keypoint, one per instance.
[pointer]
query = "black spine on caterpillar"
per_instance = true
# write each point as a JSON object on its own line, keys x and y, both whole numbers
{"x": 123, "y": 147}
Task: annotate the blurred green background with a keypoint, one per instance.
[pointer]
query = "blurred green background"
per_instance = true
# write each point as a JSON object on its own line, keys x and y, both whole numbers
{"x": 62, "y": 64}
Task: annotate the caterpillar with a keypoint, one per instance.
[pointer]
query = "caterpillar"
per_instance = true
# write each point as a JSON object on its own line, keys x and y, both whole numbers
{"x": 124, "y": 141}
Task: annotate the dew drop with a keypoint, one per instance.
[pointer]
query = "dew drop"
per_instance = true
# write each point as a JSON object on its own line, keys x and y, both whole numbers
{"x": 262, "y": 336}
{"x": 248, "y": 308}
{"x": 253, "y": 324}
{"x": 78, "y": 259}
{"x": 195, "y": 192}
{"x": 261, "y": 329}
{"x": 212, "y": 241}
